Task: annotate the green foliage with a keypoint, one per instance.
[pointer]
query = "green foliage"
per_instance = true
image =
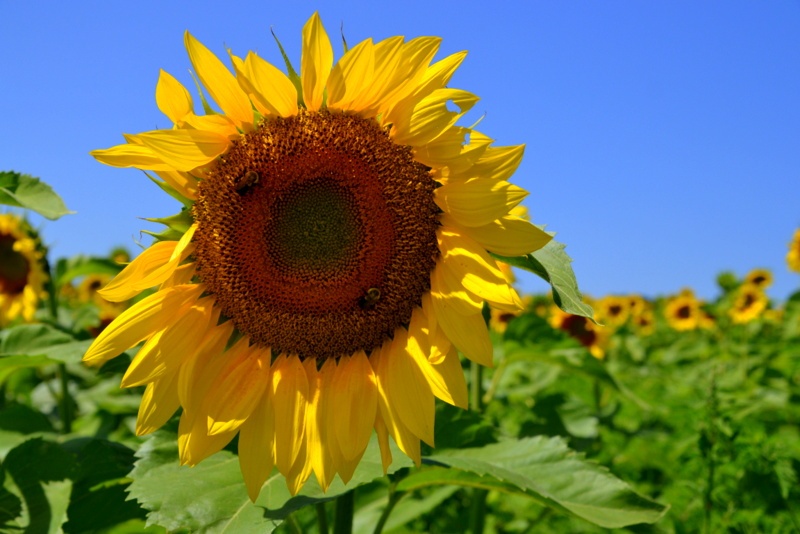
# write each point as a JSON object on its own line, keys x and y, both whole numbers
{"x": 25, "y": 191}
{"x": 554, "y": 266}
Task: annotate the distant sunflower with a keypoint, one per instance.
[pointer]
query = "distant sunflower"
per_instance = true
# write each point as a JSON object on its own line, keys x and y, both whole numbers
{"x": 748, "y": 305}
{"x": 333, "y": 261}
{"x": 760, "y": 278}
{"x": 592, "y": 336}
{"x": 644, "y": 322}
{"x": 682, "y": 312}
{"x": 613, "y": 311}
{"x": 22, "y": 271}
{"x": 793, "y": 256}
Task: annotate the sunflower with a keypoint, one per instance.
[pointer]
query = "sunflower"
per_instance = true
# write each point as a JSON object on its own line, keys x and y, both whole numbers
{"x": 591, "y": 335}
{"x": 683, "y": 311}
{"x": 613, "y": 311}
{"x": 748, "y": 305}
{"x": 332, "y": 260}
{"x": 760, "y": 278}
{"x": 22, "y": 271}
{"x": 793, "y": 256}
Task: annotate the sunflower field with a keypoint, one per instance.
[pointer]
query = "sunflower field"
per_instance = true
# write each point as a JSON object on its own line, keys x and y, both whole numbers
{"x": 327, "y": 336}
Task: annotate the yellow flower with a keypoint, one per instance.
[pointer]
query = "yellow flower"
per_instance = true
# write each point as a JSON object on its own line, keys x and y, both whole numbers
{"x": 582, "y": 329}
{"x": 613, "y": 311}
{"x": 22, "y": 272}
{"x": 793, "y": 256}
{"x": 90, "y": 285}
{"x": 750, "y": 302}
{"x": 760, "y": 278}
{"x": 335, "y": 262}
{"x": 683, "y": 311}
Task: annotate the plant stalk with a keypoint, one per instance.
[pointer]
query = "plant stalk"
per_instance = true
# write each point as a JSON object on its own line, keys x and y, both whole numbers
{"x": 343, "y": 520}
{"x": 322, "y": 518}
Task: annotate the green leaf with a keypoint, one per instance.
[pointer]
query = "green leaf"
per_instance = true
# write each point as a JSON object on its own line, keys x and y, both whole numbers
{"x": 100, "y": 484}
{"x": 42, "y": 342}
{"x": 552, "y": 264}
{"x": 83, "y": 265}
{"x": 25, "y": 191}
{"x": 211, "y": 496}
{"x": 10, "y": 505}
{"x": 41, "y": 470}
{"x": 547, "y": 470}
{"x": 408, "y": 509}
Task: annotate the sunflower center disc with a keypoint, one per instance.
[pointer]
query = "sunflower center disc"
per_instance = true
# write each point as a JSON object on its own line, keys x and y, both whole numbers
{"x": 317, "y": 234}
{"x": 13, "y": 267}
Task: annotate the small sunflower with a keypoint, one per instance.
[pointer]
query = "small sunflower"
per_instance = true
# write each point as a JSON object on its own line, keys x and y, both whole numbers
{"x": 22, "y": 271}
{"x": 644, "y": 322}
{"x": 793, "y": 256}
{"x": 592, "y": 336}
{"x": 332, "y": 262}
{"x": 613, "y": 311}
{"x": 760, "y": 278}
{"x": 683, "y": 311}
{"x": 748, "y": 305}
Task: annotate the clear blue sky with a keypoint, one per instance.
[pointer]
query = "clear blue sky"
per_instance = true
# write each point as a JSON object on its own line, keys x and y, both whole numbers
{"x": 663, "y": 137}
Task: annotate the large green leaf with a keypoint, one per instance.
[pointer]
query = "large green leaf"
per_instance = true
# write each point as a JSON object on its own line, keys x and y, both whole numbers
{"x": 41, "y": 340}
{"x": 25, "y": 191}
{"x": 548, "y": 471}
{"x": 42, "y": 471}
{"x": 552, "y": 264}
{"x": 211, "y": 497}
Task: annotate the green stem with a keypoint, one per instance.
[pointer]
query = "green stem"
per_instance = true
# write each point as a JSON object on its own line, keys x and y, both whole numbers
{"x": 294, "y": 526}
{"x": 343, "y": 520}
{"x": 394, "y": 498}
{"x": 322, "y": 518}
{"x": 477, "y": 512}
{"x": 65, "y": 401}
{"x": 475, "y": 389}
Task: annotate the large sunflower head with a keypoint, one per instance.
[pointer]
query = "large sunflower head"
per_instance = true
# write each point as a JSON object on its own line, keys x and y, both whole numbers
{"x": 22, "y": 270}
{"x": 332, "y": 261}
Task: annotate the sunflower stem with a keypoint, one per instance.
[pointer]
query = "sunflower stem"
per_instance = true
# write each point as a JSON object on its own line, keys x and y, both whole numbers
{"x": 65, "y": 400}
{"x": 475, "y": 389}
{"x": 343, "y": 520}
{"x": 394, "y": 498}
{"x": 322, "y": 518}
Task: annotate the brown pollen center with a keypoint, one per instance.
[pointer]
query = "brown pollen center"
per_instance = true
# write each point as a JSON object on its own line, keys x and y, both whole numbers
{"x": 14, "y": 267}
{"x": 317, "y": 234}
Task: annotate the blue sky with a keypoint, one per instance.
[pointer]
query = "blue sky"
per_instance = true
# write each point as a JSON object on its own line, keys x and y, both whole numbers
{"x": 663, "y": 137}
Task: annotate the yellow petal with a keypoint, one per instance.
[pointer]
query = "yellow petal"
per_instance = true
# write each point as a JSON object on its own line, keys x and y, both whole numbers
{"x": 416, "y": 55}
{"x": 355, "y": 401}
{"x": 172, "y": 98}
{"x": 300, "y": 471}
{"x": 221, "y": 84}
{"x": 316, "y": 434}
{"x": 430, "y": 117}
{"x": 145, "y": 272}
{"x": 241, "y": 384}
{"x": 182, "y": 182}
{"x": 443, "y": 381}
{"x": 351, "y": 77}
{"x": 218, "y": 124}
{"x": 388, "y": 55}
{"x": 316, "y": 61}
{"x": 151, "y": 259}
{"x": 383, "y": 441}
{"x": 289, "y": 385}
{"x": 194, "y": 443}
{"x": 271, "y": 91}
{"x": 183, "y": 150}
{"x": 175, "y": 341}
{"x": 201, "y": 369}
{"x": 451, "y": 294}
{"x": 405, "y": 439}
{"x": 477, "y": 201}
{"x": 408, "y": 391}
{"x": 159, "y": 403}
{"x": 468, "y": 263}
{"x": 467, "y": 332}
{"x": 140, "y": 321}
{"x": 131, "y": 155}
{"x": 496, "y": 163}
{"x": 507, "y": 236}
{"x": 256, "y": 444}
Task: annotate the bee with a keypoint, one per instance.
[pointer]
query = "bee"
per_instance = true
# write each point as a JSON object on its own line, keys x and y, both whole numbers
{"x": 243, "y": 183}
{"x": 368, "y": 301}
